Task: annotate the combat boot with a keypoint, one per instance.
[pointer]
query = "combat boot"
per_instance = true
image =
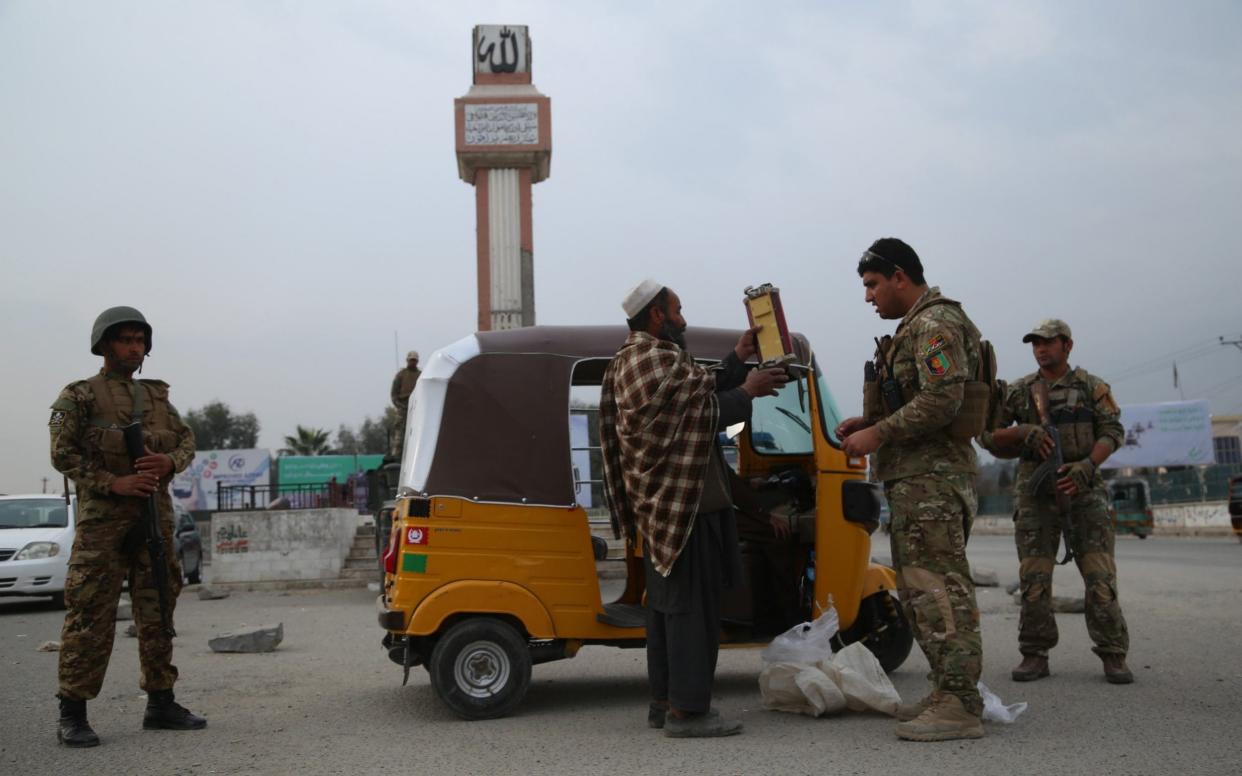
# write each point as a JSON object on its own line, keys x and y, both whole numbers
{"x": 908, "y": 711}
{"x": 1031, "y": 668}
{"x": 1115, "y": 670}
{"x": 945, "y": 719}
{"x": 73, "y": 729}
{"x": 164, "y": 713}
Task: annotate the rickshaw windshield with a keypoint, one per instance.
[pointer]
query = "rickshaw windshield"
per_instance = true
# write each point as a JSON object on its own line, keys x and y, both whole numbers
{"x": 829, "y": 415}
{"x": 781, "y": 424}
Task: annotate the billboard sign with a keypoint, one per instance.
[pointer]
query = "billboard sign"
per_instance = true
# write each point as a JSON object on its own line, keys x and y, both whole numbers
{"x": 319, "y": 469}
{"x": 196, "y": 487}
{"x": 1174, "y": 433}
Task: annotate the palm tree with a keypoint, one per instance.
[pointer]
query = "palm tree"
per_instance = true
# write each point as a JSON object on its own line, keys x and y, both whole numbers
{"x": 309, "y": 441}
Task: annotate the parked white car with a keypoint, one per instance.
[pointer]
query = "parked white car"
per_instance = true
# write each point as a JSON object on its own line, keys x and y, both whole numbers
{"x": 36, "y": 536}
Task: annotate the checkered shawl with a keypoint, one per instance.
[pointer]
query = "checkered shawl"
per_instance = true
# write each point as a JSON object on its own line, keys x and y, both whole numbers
{"x": 657, "y": 425}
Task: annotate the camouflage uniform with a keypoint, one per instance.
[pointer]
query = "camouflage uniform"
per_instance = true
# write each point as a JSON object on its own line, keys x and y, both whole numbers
{"x": 87, "y": 447}
{"x": 929, "y": 479}
{"x": 1084, "y": 412}
{"x": 402, "y": 386}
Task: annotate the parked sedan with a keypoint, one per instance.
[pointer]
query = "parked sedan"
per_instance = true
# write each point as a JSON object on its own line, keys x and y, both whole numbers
{"x": 36, "y": 536}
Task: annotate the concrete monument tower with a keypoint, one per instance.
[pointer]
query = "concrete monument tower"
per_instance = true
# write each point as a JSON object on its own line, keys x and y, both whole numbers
{"x": 504, "y": 146}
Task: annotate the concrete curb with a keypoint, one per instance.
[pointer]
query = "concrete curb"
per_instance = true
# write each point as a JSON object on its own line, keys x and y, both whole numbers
{"x": 289, "y": 584}
{"x": 991, "y": 525}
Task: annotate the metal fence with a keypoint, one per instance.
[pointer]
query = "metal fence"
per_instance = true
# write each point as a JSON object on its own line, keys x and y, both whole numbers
{"x": 235, "y": 498}
{"x": 1192, "y": 484}
{"x": 1189, "y": 485}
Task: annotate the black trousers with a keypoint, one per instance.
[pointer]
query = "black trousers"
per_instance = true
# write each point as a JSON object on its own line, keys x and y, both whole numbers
{"x": 683, "y": 617}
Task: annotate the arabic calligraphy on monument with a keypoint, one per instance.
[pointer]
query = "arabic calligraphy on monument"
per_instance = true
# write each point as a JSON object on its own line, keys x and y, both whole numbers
{"x": 504, "y": 58}
{"x": 502, "y": 124}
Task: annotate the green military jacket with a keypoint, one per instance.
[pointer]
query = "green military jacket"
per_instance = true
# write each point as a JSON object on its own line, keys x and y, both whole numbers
{"x": 88, "y": 448}
{"x": 403, "y": 385}
{"x": 934, "y": 351}
{"x": 1082, "y": 408}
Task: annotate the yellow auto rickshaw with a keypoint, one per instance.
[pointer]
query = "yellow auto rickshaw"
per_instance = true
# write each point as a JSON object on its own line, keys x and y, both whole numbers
{"x": 491, "y": 565}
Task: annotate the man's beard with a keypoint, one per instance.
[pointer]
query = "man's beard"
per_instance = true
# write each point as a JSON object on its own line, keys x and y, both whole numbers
{"x": 669, "y": 332}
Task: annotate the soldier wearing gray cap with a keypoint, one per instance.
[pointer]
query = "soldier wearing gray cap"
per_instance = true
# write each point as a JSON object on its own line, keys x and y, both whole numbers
{"x": 1088, "y": 422}
{"x": 402, "y": 386}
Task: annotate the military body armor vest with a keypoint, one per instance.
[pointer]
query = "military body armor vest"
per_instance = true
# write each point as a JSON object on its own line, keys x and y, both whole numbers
{"x": 1072, "y": 411}
{"x": 981, "y": 395}
{"x": 149, "y": 407}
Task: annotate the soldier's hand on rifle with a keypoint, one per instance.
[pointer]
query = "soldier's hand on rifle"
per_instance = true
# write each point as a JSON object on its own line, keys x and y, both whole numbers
{"x": 140, "y": 484}
{"x": 850, "y": 425}
{"x": 1037, "y": 440}
{"x": 747, "y": 344}
{"x": 1076, "y": 476}
{"x": 155, "y": 463}
{"x": 764, "y": 382}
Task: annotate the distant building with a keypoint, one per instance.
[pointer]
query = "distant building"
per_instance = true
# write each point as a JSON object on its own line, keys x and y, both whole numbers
{"x": 1226, "y": 430}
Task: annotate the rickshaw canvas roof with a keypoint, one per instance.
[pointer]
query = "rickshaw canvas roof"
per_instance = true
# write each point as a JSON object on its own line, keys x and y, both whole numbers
{"x": 489, "y": 418}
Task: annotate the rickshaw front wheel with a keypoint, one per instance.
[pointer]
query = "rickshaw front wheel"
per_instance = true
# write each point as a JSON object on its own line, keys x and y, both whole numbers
{"x": 885, "y": 630}
{"x": 480, "y": 668}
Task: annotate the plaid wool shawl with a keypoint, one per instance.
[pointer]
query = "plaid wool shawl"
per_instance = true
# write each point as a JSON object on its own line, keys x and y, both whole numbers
{"x": 657, "y": 425}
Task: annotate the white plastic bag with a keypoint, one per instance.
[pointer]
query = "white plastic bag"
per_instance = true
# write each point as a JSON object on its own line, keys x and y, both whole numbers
{"x": 994, "y": 710}
{"x": 808, "y": 643}
{"x": 799, "y": 689}
{"x": 861, "y": 679}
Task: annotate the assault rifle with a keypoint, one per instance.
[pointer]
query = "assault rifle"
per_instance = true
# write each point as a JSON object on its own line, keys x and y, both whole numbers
{"x": 1046, "y": 472}
{"x": 150, "y": 527}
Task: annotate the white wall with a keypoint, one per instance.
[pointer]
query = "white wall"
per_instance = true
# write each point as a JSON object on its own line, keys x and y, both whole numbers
{"x": 283, "y": 544}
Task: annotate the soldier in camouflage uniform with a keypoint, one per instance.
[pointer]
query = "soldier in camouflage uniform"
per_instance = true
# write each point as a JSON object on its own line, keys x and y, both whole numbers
{"x": 88, "y": 447}
{"x": 1088, "y": 421}
{"x": 402, "y": 386}
{"x": 927, "y": 466}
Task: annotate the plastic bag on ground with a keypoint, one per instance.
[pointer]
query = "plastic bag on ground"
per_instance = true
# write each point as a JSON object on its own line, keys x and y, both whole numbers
{"x": 857, "y": 672}
{"x": 799, "y": 689}
{"x": 994, "y": 710}
{"x": 808, "y": 643}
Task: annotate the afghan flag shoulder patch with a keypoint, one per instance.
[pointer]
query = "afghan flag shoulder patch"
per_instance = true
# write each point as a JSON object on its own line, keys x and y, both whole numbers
{"x": 938, "y": 364}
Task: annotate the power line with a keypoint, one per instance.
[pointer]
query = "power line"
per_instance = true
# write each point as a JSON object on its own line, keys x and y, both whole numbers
{"x": 1219, "y": 387}
{"x": 1165, "y": 363}
{"x": 1204, "y": 346}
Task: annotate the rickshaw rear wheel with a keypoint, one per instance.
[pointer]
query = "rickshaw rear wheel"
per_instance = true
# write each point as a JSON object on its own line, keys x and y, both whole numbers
{"x": 480, "y": 668}
{"x": 885, "y": 630}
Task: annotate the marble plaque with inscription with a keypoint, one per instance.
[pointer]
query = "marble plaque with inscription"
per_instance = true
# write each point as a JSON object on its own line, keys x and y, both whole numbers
{"x": 498, "y": 124}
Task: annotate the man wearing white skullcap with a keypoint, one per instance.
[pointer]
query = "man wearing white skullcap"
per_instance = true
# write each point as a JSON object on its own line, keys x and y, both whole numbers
{"x": 664, "y": 480}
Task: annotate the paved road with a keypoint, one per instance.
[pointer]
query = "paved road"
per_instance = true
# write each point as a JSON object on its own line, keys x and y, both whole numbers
{"x": 328, "y": 701}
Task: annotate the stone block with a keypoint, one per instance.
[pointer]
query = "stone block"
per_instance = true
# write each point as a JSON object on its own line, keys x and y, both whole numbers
{"x": 262, "y": 638}
{"x": 984, "y": 577}
{"x": 207, "y": 593}
{"x": 125, "y": 610}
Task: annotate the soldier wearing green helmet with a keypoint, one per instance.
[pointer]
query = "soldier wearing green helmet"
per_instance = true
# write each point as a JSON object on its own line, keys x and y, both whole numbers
{"x": 88, "y": 447}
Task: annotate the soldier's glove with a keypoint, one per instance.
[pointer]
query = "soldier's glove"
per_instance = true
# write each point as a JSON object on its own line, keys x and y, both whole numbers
{"x": 1033, "y": 437}
{"x": 1081, "y": 472}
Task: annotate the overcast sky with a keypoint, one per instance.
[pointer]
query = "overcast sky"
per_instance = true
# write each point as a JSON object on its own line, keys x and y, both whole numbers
{"x": 274, "y": 184}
